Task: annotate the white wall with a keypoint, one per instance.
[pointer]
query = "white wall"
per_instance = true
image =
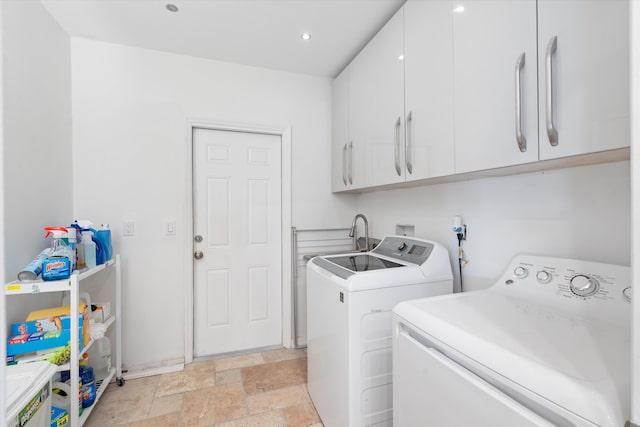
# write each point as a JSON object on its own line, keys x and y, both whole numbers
{"x": 130, "y": 109}
{"x": 37, "y": 137}
{"x": 35, "y": 147}
{"x": 575, "y": 213}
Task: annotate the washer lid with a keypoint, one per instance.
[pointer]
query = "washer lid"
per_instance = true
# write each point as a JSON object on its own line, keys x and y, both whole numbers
{"x": 582, "y": 366}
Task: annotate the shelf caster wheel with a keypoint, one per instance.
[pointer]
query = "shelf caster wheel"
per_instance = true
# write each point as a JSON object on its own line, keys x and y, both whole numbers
{"x": 120, "y": 381}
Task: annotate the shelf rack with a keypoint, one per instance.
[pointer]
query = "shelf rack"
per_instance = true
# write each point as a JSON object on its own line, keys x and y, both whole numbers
{"x": 72, "y": 286}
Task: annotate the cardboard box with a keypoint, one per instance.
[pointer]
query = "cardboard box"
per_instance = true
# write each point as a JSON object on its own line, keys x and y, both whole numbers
{"x": 52, "y": 318}
{"x": 59, "y": 417}
{"x": 28, "y": 343}
{"x": 102, "y": 312}
{"x": 42, "y": 325}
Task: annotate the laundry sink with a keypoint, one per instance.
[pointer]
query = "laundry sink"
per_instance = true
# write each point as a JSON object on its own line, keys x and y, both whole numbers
{"x": 372, "y": 244}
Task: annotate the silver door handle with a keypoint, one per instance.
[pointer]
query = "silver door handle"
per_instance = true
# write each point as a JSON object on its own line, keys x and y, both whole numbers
{"x": 350, "y": 163}
{"x": 198, "y": 255}
{"x": 396, "y": 157}
{"x": 344, "y": 164}
{"x": 409, "y": 154}
{"x": 552, "y": 132}
{"x": 522, "y": 142}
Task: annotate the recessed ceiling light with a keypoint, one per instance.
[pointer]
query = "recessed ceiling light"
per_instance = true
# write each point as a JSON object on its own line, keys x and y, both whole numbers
{"x": 401, "y": 57}
{"x": 305, "y": 36}
{"x": 459, "y": 9}
{"x": 171, "y": 7}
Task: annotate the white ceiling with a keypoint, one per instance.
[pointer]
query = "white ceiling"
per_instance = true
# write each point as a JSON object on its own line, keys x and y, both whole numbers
{"x": 262, "y": 33}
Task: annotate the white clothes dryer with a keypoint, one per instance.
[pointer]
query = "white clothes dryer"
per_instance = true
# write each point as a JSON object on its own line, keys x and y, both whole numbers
{"x": 547, "y": 345}
{"x": 349, "y": 335}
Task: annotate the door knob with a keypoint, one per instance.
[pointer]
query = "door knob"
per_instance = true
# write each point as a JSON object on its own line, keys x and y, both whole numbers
{"x": 198, "y": 255}
{"x": 198, "y": 238}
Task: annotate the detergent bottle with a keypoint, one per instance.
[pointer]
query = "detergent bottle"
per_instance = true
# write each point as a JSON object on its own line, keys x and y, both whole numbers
{"x": 102, "y": 239}
{"x": 58, "y": 265}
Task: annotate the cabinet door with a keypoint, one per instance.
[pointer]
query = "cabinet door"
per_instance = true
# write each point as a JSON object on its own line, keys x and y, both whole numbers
{"x": 340, "y": 171}
{"x": 489, "y": 39}
{"x": 588, "y": 108}
{"x": 428, "y": 73}
{"x": 376, "y": 107}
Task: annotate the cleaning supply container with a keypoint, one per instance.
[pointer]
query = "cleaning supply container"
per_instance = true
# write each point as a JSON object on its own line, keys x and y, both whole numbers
{"x": 32, "y": 270}
{"x": 102, "y": 239}
{"x": 88, "y": 248}
{"x": 100, "y": 358}
{"x": 88, "y": 385}
{"x": 61, "y": 396}
{"x": 59, "y": 264}
{"x": 29, "y": 394}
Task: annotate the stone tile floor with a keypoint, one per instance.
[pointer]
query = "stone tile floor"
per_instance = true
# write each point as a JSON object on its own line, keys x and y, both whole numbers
{"x": 261, "y": 389}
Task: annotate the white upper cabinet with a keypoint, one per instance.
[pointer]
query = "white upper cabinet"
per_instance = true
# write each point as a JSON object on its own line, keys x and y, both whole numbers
{"x": 376, "y": 107}
{"x": 342, "y": 172}
{"x": 583, "y": 65}
{"x": 450, "y": 87}
{"x": 495, "y": 81}
{"x": 428, "y": 72}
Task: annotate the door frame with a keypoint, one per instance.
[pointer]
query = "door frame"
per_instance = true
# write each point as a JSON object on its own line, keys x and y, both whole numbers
{"x": 285, "y": 144}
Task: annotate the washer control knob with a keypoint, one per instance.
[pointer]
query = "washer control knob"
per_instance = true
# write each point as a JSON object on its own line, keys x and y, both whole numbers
{"x": 402, "y": 246}
{"x": 520, "y": 272}
{"x": 544, "y": 276}
{"x": 627, "y": 293}
{"x": 584, "y": 286}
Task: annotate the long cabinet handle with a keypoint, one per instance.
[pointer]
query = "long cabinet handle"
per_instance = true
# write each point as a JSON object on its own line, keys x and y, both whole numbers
{"x": 396, "y": 151}
{"x": 350, "y": 164}
{"x": 409, "y": 154}
{"x": 522, "y": 141}
{"x": 344, "y": 164}
{"x": 552, "y": 132}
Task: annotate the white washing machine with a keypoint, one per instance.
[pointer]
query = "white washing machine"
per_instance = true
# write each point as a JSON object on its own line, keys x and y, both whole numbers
{"x": 349, "y": 334}
{"x": 547, "y": 345}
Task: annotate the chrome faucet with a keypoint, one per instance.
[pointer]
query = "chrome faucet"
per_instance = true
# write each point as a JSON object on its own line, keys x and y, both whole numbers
{"x": 352, "y": 232}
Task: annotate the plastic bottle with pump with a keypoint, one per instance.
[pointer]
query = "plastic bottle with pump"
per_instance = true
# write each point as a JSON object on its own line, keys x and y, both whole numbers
{"x": 58, "y": 265}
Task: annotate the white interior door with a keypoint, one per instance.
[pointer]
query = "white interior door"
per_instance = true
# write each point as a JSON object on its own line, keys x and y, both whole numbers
{"x": 237, "y": 212}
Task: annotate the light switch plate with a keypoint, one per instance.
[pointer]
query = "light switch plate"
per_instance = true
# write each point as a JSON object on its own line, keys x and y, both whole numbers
{"x": 170, "y": 229}
{"x": 128, "y": 228}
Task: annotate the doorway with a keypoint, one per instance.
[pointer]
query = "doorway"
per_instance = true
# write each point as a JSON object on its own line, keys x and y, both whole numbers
{"x": 237, "y": 263}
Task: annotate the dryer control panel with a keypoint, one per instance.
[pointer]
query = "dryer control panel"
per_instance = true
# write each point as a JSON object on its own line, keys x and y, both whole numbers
{"x": 591, "y": 289}
{"x": 407, "y": 249}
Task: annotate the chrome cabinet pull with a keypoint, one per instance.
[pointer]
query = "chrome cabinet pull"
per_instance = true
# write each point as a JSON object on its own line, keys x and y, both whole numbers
{"x": 344, "y": 164}
{"x": 350, "y": 164}
{"x": 396, "y": 151}
{"x": 409, "y": 154}
{"x": 522, "y": 141}
{"x": 552, "y": 132}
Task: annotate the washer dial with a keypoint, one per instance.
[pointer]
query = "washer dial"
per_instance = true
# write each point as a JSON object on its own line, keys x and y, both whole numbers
{"x": 520, "y": 272}
{"x": 544, "y": 276}
{"x": 584, "y": 286}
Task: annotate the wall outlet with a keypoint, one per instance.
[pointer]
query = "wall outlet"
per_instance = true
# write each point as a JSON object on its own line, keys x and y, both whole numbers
{"x": 128, "y": 228}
